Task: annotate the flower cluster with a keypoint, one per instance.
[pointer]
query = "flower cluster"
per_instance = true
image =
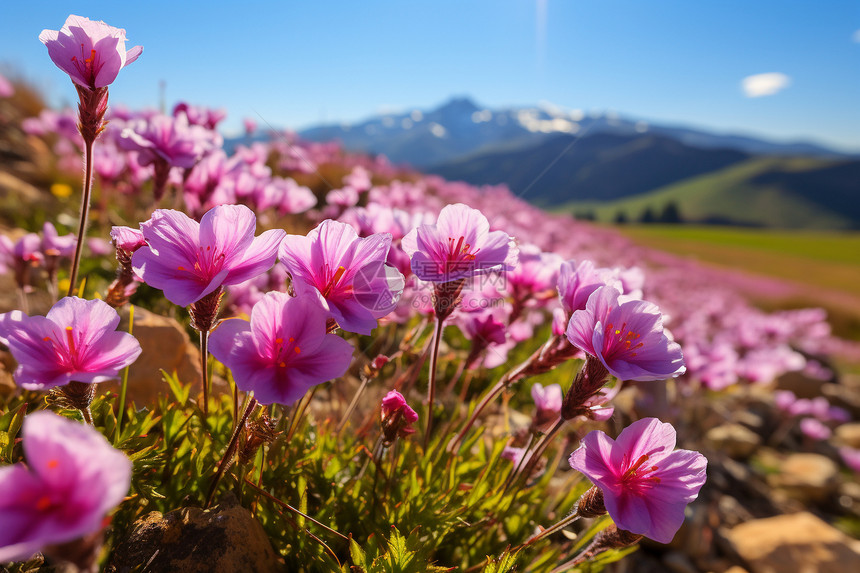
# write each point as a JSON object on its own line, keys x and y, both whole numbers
{"x": 288, "y": 281}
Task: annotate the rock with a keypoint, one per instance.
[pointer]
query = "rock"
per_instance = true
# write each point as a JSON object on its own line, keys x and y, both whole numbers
{"x": 802, "y": 385}
{"x": 749, "y": 419}
{"x": 224, "y": 539}
{"x": 807, "y": 477}
{"x": 166, "y": 346}
{"x": 849, "y": 496}
{"x": 733, "y": 511}
{"x": 843, "y": 395}
{"x": 735, "y": 440}
{"x": 797, "y": 543}
{"x": 849, "y": 434}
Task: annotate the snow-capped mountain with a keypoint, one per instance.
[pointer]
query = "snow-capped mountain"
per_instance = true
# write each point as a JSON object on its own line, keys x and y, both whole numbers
{"x": 461, "y": 128}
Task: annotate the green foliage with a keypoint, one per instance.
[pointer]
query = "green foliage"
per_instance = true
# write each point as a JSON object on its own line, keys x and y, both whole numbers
{"x": 333, "y": 500}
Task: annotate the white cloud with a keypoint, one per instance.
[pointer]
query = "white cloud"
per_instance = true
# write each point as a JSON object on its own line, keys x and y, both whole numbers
{"x": 856, "y": 36}
{"x": 764, "y": 84}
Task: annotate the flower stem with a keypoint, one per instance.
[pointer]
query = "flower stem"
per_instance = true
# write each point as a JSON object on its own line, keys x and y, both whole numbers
{"x": 516, "y": 469}
{"x": 299, "y": 412}
{"x": 534, "y": 364}
{"x": 226, "y": 461}
{"x": 22, "y": 301}
{"x": 449, "y": 389}
{"x": 539, "y": 449}
{"x": 85, "y": 210}
{"x": 204, "y": 368}
{"x": 88, "y": 415}
{"x": 124, "y": 386}
{"x": 292, "y": 509}
{"x": 352, "y": 405}
{"x": 431, "y": 383}
{"x": 564, "y": 522}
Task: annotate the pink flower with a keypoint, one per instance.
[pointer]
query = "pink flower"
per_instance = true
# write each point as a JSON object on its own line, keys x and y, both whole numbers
{"x": 784, "y": 400}
{"x": 348, "y": 272}
{"x": 548, "y": 401}
{"x": 54, "y": 245}
{"x": 576, "y": 282}
{"x": 547, "y": 398}
{"x": 535, "y": 277}
{"x": 645, "y": 484}
{"x": 168, "y": 139}
{"x": 127, "y": 239}
{"x": 6, "y": 87}
{"x": 72, "y": 479}
{"x": 851, "y": 457}
{"x": 76, "y": 342}
{"x": 514, "y": 455}
{"x": 283, "y": 351}
{"x": 189, "y": 260}
{"x": 91, "y": 52}
{"x": 814, "y": 430}
{"x": 397, "y": 416}
{"x": 596, "y": 405}
{"x": 628, "y": 338}
{"x": 199, "y": 115}
{"x": 459, "y": 245}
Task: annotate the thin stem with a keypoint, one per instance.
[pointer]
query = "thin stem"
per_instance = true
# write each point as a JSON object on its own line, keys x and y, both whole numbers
{"x": 299, "y": 412}
{"x": 235, "y": 404}
{"x": 506, "y": 380}
{"x": 352, "y": 405}
{"x": 85, "y": 210}
{"x": 491, "y": 394}
{"x": 124, "y": 386}
{"x": 204, "y": 368}
{"x": 516, "y": 469}
{"x": 449, "y": 389}
{"x": 564, "y": 522}
{"x": 292, "y": 509}
{"x": 539, "y": 449}
{"x": 228, "y": 453}
{"x": 88, "y": 415}
{"x": 431, "y": 383}
{"x": 22, "y": 301}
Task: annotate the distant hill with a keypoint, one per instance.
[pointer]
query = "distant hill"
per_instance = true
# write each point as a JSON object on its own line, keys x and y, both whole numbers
{"x": 606, "y": 164}
{"x": 770, "y": 192}
{"x": 461, "y": 127}
{"x": 601, "y": 167}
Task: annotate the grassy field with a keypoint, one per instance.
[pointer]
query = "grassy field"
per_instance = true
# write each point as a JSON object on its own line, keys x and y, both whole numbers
{"x": 824, "y": 265}
{"x": 731, "y": 194}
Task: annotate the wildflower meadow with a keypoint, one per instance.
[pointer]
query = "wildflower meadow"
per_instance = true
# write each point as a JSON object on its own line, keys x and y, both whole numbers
{"x": 275, "y": 355}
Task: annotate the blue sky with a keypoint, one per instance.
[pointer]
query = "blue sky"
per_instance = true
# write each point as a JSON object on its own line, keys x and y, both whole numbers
{"x": 296, "y": 64}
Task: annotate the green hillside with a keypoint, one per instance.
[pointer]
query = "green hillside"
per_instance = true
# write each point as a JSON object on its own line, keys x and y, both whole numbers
{"x": 823, "y": 265}
{"x": 772, "y": 192}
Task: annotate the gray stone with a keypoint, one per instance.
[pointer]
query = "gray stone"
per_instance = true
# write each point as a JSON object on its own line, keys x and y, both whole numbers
{"x": 807, "y": 477}
{"x": 797, "y": 543}
{"x": 224, "y": 539}
{"x": 849, "y": 435}
{"x": 734, "y": 440}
